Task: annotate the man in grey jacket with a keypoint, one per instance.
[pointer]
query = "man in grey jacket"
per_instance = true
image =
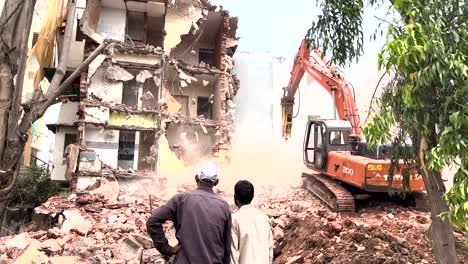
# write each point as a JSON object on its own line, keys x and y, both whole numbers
{"x": 202, "y": 221}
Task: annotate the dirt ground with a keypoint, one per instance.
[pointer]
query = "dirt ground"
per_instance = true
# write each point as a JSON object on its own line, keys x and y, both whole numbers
{"x": 383, "y": 234}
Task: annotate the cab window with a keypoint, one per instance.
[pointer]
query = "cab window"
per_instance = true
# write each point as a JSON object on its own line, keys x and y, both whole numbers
{"x": 339, "y": 137}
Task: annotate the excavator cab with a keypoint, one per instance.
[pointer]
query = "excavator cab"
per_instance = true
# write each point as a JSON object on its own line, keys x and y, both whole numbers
{"x": 322, "y": 136}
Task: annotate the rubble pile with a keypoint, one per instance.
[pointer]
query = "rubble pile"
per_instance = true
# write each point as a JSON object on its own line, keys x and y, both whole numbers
{"x": 108, "y": 225}
{"x": 376, "y": 235}
{"x": 89, "y": 228}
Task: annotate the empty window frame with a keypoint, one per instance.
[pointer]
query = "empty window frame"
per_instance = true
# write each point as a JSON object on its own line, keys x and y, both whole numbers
{"x": 130, "y": 93}
{"x": 34, "y": 38}
{"x": 126, "y": 151}
{"x": 69, "y": 139}
{"x": 207, "y": 56}
{"x": 204, "y": 107}
{"x": 79, "y": 36}
{"x": 136, "y": 28}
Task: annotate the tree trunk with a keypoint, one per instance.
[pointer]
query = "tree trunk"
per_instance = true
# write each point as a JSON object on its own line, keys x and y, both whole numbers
{"x": 21, "y": 118}
{"x": 6, "y": 88}
{"x": 443, "y": 242}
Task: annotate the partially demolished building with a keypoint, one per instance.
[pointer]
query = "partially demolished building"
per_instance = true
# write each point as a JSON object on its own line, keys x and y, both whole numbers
{"x": 167, "y": 74}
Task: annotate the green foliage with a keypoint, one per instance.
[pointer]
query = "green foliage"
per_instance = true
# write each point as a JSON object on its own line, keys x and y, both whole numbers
{"x": 427, "y": 54}
{"x": 34, "y": 187}
{"x": 338, "y": 30}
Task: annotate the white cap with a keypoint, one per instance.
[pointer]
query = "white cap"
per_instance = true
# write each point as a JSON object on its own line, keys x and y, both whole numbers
{"x": 208, "y": 172}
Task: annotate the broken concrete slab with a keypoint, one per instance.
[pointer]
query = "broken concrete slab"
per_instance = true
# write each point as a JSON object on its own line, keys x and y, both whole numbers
{"x": 95, "y": 64}
{"x": 179, "y": 20}
{"x": 53, "y": 206}
{"x": 51, "y": 247}
{"x": 74, "y": 221}
{"x": 117, "y": 73}
{"x": 172, "y": 105}
{"x": 143, "y": 75}
{"x": 109, "y": 189}
{"x": 20, "y": 241}
{"x": 131, "y": 250}
{"x": 32, "y": 254}
{"x": 66, "y": 260}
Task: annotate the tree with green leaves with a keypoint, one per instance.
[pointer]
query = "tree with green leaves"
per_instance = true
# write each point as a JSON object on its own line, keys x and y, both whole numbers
{"x": 426, "y": 53}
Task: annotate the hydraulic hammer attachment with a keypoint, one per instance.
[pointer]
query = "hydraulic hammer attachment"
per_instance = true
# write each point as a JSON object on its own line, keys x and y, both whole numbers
{"x": 287, "y": 104}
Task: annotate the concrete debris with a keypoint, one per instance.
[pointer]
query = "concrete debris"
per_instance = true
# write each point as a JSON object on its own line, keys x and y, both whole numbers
{"x": 117, "y": 73}
{"x": 131, "y": 250}
{"x": 32, "y": 254}
{"x": 172, "y": 106}
{"x": 51, "y": 247}
{"x": 231, "y": 42}
{"x": 187, "y": 78}
{"x": 195, "y": 27}
{"x": 157, "y": 81}
{"x": 96, "y": 63}
{"x": 143, "y": 75}
{"x": 319, "y": 236}
{"x": 66, "y": 259}
{"x": 295, "y": 260}
{"x": 304, "y": 231}
{"x": 148, "y": 96}
{"x": 205, "y": 83}
{"x": 203, "y": 128}
{"x": 183, "y": 84}
{"x": 109, "y": 189}
{"x": 75, "y": 222}
{"x": 53, "y": 206}
{"x": 95, "y": 230}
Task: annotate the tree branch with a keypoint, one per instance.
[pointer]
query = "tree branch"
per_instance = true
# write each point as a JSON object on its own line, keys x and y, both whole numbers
{"x": 18, "y": 91}
{"x": 39, "y": 107}
{"x": 20, "y": 4}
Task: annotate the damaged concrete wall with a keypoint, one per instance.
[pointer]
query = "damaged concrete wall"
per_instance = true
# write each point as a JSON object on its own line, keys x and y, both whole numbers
{"x": 179, "y": 21}
{"x": 190, "y": 142}
{"x": 193, "y": 91}
{"x": 58, "y": 172}
{"x": 67, "y": 114}
{"x": 102, "y": 87}
{"x": 134, "y": 92}
{"x": 112, "y": 23}
{"x": 76, "y": 54}
{"x": 105, "y": 142}
{"x": 136, "y": 59}
{"x": 96, "y": 115}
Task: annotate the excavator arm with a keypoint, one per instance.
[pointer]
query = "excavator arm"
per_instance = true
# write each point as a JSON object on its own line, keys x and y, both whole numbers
{"x": 329, "y": 78}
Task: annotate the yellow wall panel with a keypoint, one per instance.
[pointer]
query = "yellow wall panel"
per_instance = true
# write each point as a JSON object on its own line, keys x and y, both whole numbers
{"x": 135, "y": 120}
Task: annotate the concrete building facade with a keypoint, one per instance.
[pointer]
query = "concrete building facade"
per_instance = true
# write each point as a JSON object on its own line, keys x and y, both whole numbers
{"x": 167, "y": 73}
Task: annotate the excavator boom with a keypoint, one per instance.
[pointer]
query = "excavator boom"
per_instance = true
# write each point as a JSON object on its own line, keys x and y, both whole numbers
{"x": 329, "y": 78}
{"x": 332, "y": 149}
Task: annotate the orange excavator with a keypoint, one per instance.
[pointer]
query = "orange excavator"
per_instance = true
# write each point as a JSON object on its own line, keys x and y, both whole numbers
{"x": 344, "y": 168}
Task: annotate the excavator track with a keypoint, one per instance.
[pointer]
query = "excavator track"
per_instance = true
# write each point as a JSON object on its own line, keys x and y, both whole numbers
{"x": 422, "y": 202}
{"x": 329, "y": 191}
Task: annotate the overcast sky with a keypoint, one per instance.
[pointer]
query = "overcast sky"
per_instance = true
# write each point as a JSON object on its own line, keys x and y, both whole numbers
{"x": 277, "y": 28}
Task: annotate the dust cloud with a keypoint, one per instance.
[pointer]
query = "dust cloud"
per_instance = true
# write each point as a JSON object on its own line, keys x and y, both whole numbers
{"x": 273, "y": 163}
